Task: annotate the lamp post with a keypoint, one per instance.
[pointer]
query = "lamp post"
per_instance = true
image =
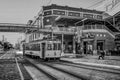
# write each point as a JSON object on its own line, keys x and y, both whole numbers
{"x": 80, "y": 31}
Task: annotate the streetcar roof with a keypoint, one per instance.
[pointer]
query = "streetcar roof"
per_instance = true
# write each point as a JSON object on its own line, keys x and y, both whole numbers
{"x": 45, "y": 40}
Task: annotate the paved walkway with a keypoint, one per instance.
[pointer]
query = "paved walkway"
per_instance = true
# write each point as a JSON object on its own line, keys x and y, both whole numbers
{"x": 109, "y": 61}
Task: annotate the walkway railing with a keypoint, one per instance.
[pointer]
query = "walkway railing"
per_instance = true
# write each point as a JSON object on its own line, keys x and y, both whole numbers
{"x": 12, "y": 24}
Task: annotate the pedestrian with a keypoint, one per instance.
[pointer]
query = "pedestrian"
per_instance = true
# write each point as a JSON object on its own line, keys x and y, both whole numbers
{"x": 102, "y": 55}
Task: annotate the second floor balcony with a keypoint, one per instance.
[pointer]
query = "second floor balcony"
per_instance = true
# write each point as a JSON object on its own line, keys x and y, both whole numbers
{"x": 74, "y": 29}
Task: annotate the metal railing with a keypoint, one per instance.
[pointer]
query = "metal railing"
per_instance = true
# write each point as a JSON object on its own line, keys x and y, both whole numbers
{"x": 63, "y": 29}
{"x": 12, "y": 24}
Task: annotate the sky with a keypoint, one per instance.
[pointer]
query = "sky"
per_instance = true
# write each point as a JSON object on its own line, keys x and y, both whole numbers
{"x": 20, "y": 11}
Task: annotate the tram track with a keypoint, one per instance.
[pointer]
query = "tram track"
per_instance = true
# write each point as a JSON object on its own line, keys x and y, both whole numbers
{"x": 52, "y": 77}
{"x": 79, "y": 71}
{"x": 57, "y": 72}
{"x": 79, "y": 76}
{"x": 87, "y": 73}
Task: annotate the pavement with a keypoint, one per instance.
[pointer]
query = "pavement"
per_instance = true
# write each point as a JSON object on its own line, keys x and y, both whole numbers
{"x": 112, "y": 62}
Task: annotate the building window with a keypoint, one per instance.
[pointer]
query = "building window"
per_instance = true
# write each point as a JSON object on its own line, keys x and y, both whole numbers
{"x": 38, "y": 34}
{"x": 47, "y": 13}
{"x": 85, "y": 27}
{"x": 35, "y": 35}
{"x": 97, "y": 35}
{"x": 99, "y": 26}
{"x": 88, "y": 15}
{"x": 57, "y": 12}
{"x": 99, "y": 17}
{"x": 73, "y": 14}
{"x": 100, "y": 35}
{"x": 104, "y": 35}
{"x": 93, "y": 26}
{"x": 88, "y": 26}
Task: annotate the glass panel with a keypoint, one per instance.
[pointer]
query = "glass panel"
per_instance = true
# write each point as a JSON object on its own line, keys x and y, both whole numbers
{"x": 99, "y": 17}
{"x": 49, "y": 47}
{"x": 89, "y": 26}
{"x": 34, "y": 47}
{"x": 88, "y": 15}
{"x": 99, "y": 26}
{"x": 54, "y": 46}
{"x": 47, "y": 13}
{"x": 85, "y": 27}
{"x": 59, "y": 46}
{"x": 92, "y": 26}
{"x": 74, "y": 14}
{"x": 57, "y": 12}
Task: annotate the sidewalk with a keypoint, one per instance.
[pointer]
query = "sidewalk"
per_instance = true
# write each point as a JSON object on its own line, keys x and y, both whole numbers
{"x": 109, "y": 61}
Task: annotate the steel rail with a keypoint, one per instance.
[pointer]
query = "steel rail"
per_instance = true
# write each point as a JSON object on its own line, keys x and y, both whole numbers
{"x": 43, "y": 71}
{"x": 79, "y": 76}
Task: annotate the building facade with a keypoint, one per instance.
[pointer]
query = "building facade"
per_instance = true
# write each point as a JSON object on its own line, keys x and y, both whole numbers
{"x": 77, "y": 28}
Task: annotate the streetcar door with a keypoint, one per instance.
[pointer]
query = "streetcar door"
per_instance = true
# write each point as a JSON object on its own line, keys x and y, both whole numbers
{"x": 43, "y": 50}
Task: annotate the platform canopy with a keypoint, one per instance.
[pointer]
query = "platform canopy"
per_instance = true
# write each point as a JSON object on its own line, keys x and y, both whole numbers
{"x": 115, "y": 17}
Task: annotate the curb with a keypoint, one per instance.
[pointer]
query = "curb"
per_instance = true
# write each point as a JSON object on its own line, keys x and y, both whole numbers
{"x": 95, "y": 65}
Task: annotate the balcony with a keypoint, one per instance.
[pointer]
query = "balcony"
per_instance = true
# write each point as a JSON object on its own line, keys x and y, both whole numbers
{"x": 72, "y": 29}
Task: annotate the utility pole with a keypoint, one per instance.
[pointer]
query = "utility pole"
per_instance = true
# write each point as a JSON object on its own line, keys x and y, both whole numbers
{"x": 3, "y": 38}
{"x": 3, "y": 42}
{"x": 80, "y": 32}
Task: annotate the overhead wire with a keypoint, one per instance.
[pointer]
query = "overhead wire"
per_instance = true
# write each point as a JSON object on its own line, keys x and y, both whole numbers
{"x": 96, "y": 4}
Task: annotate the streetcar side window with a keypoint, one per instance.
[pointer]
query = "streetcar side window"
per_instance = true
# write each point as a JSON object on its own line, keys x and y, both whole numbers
{"x": 34, "y": 47}
{"x": 54, "y": 46}
{"x": 59, "y": 46}
{"x": 49, "y": 47}
{"x": 26, "y": 47}
{"x": 37, "y": 47}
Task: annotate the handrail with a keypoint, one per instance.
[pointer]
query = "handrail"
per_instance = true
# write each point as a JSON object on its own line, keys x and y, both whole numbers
{"x": 12, "y": 24}
{"x": 109, "y": 30}
{"x": 65, "y": 29}
{"x": 112, "y": 25}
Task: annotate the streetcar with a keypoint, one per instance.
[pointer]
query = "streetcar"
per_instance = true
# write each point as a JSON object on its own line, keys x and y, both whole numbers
{"x": 48, "y": 49}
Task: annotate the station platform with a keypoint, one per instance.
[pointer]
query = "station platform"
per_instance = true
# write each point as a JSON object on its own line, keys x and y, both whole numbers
{"x": 112, "y": 62}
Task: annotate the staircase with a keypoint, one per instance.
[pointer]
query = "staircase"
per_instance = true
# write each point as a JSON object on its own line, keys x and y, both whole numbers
{"x": 111, "y": 27}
